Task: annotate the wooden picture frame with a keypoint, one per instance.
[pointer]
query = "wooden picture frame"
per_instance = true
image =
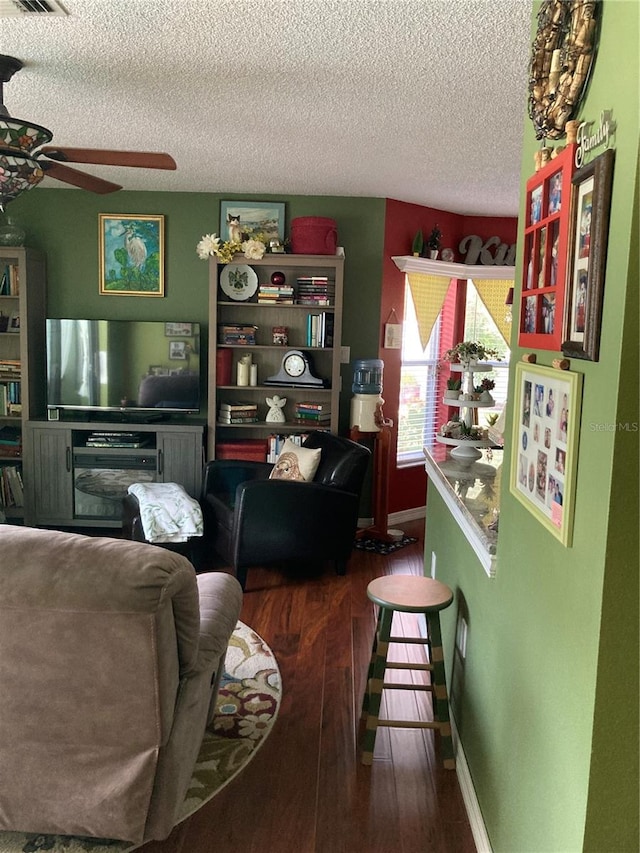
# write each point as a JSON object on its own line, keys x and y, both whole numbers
{"x": 544, "y": 453}
{"x": 590, "y": 203}
{"x": 131, "y": 254}
{"x": 546, "y": 241}
{"x": 260, "y": 219}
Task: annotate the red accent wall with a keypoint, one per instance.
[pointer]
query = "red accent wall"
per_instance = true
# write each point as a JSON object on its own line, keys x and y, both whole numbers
{"x": 407, "y": 486}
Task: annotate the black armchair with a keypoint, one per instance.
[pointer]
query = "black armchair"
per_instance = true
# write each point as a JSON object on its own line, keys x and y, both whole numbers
{"x": 251, "y": 520}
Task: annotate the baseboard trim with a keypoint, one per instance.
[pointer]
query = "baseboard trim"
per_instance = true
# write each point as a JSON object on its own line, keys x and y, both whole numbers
{"x": 408, "y": 515}
{"x": 397, "y": 517}
{"x": 478, "y": 829}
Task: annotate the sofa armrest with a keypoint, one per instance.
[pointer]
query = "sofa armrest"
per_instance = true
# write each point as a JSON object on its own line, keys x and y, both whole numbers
{"x": 220, "y": 604}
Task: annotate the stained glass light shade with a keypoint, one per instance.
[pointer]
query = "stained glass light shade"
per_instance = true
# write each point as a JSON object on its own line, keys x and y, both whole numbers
{"x": 19, "y": 170}
{"x": 16, "y": 133}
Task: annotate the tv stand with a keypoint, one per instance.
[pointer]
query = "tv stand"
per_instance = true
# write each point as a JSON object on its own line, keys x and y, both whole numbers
{"x": 77, "y": 480}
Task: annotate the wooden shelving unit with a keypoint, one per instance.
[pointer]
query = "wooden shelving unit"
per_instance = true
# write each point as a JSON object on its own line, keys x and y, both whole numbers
{"x": 22, "y": 345}
{"x": 267, "y": 355}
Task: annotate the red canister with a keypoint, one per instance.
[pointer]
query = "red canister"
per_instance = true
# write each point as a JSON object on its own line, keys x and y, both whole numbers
{"x": 314, "y": 235}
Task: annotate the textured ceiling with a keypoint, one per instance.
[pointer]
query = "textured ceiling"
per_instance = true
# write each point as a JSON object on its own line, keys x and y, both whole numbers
{"x": 416, "y": 100}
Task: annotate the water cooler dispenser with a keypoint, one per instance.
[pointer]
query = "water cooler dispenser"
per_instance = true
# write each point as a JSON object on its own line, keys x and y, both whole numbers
{"x": 367, "y": 402}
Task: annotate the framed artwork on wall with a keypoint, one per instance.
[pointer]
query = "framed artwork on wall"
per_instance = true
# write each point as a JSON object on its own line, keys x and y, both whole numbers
{"x": 242, "y": 220}
{"x": 177, "y": 330}
{"x": 590, "y": 203}
{"x": 546, "y": 429}
{"x": 131, "y": 255}
{"x": 546, "y": 241}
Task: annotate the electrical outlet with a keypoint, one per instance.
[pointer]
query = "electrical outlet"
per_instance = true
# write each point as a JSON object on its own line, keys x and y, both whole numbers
{"x": 345, "y": 355}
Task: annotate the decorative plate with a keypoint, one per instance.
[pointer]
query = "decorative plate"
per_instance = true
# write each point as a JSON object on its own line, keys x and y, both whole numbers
{"x": 447, "y": 255}
{"x": 238, "y": 281}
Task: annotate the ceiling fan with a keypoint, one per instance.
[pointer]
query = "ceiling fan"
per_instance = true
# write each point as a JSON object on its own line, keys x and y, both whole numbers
{"x": 23, "y": 167}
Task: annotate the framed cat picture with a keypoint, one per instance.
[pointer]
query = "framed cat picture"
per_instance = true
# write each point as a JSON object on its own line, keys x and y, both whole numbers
{"x": 244, "y": 220}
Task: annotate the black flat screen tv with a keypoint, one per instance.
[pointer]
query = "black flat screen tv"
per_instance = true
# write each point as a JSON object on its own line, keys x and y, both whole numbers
{"x": 123, "y": 365}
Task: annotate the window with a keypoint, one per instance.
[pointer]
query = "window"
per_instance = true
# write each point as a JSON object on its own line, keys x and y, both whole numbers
{"x": 418, "y": 407}
{"x": 480, "y": 326}
{"x": 421, "y": 410}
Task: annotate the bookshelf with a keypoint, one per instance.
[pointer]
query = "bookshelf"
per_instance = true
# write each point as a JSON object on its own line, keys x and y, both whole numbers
{"x": 22, "y": 367}
{"x": 313, "y": 329}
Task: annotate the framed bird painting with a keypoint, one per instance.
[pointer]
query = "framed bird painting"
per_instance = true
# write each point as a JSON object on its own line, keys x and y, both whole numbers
{"x": 131, "y": 255}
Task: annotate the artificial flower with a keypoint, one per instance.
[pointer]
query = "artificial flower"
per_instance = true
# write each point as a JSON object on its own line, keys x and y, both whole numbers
{"x": 254, "y": 249}
{"x": 208, "y": 246}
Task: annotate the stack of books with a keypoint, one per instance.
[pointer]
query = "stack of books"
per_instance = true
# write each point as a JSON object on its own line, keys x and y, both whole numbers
{"x": 318, "y": 414}
{"x": 116, "y": 439}
{"x": 320, "y": 329}
{"x": 238, "y": 413}
{"x": 10, "y": 387}
{"x": 239, "y": 334}
{"x": 10, "y": 441}
{"x": 274, "y": 294}
{"x": 315, "y": 290}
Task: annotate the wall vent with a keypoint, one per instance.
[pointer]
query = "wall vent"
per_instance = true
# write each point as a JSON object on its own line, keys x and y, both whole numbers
{"x": 13, "y": 8}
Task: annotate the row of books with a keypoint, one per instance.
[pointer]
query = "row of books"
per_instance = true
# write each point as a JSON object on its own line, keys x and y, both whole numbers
{"x": 10, "y": 398}
{"x": 11, "y": 487}
{"x": 320, "y": 329}
{"x": 9, "y": 366}
{"x": 240, "y": 334}
{"x": 9, "y": 281}
{"x": 238, "y": 413}
{"x": 275, "y": 442}
{"x": 313, "y": 413}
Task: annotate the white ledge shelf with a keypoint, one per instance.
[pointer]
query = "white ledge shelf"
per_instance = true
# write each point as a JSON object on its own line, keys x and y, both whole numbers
{"x": 408, "y": 263}
{"x": 448, "y": 478}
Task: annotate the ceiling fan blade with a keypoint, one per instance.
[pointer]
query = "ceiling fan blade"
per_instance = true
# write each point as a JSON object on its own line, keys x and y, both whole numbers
{"x": 103, "y": 157}
{"x": 78, "y": 178}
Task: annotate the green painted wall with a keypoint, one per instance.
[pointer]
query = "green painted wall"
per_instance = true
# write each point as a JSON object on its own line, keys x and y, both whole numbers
{"x": 64, "y": 224}
{"x": 558, "y": 627}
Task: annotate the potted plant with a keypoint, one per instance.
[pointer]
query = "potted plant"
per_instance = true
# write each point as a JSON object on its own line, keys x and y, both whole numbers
{"x": 484, "y": 390}
{"x": 433, "y": 242}
{"x": 418, "y": 244}
{"x": 453, "y": 388}
{"x": 468, "y": 353}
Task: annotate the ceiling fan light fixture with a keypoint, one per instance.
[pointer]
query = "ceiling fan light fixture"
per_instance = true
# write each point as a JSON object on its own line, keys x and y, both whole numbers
{"x": 18, "y": 172}
{"x": 25, "y": 135}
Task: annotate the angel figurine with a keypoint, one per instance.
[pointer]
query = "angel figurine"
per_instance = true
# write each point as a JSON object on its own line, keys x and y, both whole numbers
{"x": 275, "y": 415}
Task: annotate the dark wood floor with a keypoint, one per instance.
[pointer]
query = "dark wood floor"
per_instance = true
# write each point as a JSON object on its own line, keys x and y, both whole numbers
{"x": 306, "y": 790}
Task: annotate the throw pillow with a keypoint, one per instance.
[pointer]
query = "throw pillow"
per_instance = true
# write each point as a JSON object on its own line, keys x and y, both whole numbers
{"x": 296, "y": 463}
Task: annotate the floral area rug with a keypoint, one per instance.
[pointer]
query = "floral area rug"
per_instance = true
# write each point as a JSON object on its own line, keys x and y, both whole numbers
{"x": 246, "y": 709}
{"x": 377, "y": 546}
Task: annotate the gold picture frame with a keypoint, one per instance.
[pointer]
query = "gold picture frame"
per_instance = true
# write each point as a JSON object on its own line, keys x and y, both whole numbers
{"x": 131, "y": 254}
{"x": 546, "y": 429}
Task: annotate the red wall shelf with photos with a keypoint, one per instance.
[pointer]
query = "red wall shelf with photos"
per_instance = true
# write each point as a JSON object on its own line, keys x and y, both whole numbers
{"x": 546, "y": 243}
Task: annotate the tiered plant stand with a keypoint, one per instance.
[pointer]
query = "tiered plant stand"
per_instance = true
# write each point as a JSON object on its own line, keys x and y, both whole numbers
{"x": 467, "y": 449}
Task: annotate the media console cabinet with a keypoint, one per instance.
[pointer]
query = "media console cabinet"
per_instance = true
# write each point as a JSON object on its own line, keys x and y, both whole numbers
{"x": 74, "y": 480}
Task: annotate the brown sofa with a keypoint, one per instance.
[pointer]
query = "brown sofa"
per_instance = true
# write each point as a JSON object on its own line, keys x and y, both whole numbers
{"x": 110, "y": 655}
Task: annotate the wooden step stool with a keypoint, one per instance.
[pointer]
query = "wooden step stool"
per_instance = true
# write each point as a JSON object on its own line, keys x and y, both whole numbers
{"x": 407, "y": 594}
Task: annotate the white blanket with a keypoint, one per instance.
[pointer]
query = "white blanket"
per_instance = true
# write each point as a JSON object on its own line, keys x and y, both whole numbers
{"x": 167, "y": 512}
